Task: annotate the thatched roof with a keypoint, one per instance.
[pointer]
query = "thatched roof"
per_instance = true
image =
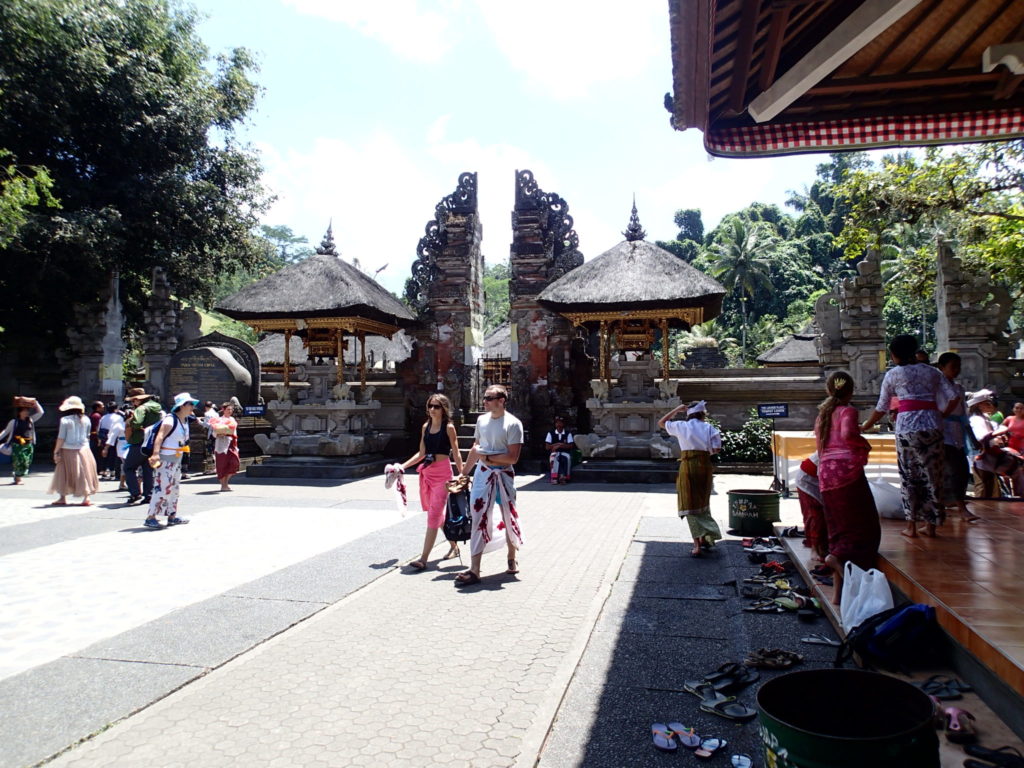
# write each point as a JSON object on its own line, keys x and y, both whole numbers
{"x": 798, "y": 349}
{"x": 635, "y": 274}
{"x": 271, "y": 349}
{"x": 319, "y": 286}
{"x": 498, "y": 343}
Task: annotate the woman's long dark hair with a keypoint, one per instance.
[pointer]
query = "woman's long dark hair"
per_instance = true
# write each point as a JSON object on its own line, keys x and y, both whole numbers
{"x": 840, "y": 388}
{"x": 446, "y": 409}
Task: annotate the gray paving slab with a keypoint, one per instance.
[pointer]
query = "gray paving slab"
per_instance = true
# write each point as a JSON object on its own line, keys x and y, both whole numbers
{"x": 204, "y": 634}
{"x": 330, "y": 576}
{"x": 54, "y": 705}
{"x": 673, "y": 528}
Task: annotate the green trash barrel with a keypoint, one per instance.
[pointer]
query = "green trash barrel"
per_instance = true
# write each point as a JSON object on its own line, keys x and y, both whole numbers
{"x": 751, "y": 513}
{"x": 845, "y": 718}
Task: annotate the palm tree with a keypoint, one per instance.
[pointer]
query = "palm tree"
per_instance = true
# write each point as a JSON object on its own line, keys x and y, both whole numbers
{"x": 736, "y": 260}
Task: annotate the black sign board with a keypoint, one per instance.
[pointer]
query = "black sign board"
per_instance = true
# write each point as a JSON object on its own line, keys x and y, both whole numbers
{"x": 773, "y": 410}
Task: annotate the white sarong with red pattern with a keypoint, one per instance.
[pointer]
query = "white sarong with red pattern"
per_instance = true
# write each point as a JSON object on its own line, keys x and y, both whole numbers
{"x": 490, "y": 485}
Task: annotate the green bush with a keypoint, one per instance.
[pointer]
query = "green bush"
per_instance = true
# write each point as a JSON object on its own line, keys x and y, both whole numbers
{"x": 751, "y": 442}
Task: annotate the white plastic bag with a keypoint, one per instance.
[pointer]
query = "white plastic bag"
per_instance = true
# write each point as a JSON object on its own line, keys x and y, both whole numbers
{"x": 865, "y": 593}
{"x": 888, "y": 499}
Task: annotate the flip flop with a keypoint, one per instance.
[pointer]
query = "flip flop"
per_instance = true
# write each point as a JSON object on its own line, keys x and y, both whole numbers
{"x": 772, "y": 658}
{"x": 727, "y": 678}
{"x": 944, "y": 687}
{"x": 1004, "y": 757}
{"x": 662, "y": 737}
{"x": 741, "y": 761}
{"x": 729, "y": 708}
{"x": 687, "y": 736}
{"x": 58, "y": 504}
{"x": 709, "y": 746}
{"x": 819, "y": 639}
{"x": 960, "y": 726}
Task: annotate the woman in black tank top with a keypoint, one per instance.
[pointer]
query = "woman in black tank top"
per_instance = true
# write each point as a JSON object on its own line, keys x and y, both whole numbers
{"x": 439, "y": 443}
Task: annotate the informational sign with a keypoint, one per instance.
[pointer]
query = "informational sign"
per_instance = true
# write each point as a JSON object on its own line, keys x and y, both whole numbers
{"x": 255, "y": 410}
{"x": 773, "y": 410}
{"x": 208, "y": 374}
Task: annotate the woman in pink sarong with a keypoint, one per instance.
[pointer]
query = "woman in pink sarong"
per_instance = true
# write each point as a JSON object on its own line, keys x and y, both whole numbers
{"x": 439, "y": 443}
{"x": 224, "y": 429}
{"x": 854, "y": 532}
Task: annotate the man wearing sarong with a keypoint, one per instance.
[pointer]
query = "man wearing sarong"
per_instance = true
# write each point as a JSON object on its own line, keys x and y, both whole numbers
{"x": 698, "y": 442}
{"x": 497, "y": 441}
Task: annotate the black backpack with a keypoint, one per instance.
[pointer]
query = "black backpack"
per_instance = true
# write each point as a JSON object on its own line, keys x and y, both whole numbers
{"x": 898, "y": 639}
{"x": 458, "y": 523}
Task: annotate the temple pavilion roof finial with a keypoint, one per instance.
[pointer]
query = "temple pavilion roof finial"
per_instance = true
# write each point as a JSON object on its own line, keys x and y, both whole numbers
{"x": 634, "y": 231}
{"x": 327, "y": 246}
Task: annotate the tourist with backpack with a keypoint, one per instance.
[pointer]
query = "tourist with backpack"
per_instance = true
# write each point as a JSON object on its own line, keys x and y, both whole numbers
{"x": 169, "y": 444}
{"x": 145, "y": 412}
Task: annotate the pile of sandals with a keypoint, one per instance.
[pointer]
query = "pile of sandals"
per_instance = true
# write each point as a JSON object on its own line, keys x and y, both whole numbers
{"x": 668, "y": 738}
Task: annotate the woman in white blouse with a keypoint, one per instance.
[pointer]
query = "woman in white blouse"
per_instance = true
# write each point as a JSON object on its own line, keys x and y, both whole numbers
{"x": 75, "y": 468}
{"x": 698, "y": 442}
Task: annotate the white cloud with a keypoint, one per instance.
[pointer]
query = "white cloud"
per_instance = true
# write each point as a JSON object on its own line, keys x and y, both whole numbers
{"x": 409, "y": 28}
{"x": 570, "y": 46}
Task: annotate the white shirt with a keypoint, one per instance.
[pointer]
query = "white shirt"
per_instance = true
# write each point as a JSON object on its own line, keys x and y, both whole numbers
{"x": 916, "y": 381}
{"x": 177, "y": 438}
{"x": 494, "y": 436}
{"x": 953, "y": 430}
{"x": 74, "y": 431}
{"x": 982, "y": 425}
{"x": 116, "y": 438}
{"x": 553, "y": 437}
{"x": 107, "y": 420}
{"x": 695, "y": 435}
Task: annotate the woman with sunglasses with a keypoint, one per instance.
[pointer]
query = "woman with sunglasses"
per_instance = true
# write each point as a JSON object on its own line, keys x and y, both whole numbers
{"x": 439, "y": 442}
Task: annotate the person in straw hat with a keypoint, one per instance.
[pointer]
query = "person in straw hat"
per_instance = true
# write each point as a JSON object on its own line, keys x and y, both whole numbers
{"x": 145, "y": 411}
{"x": 698, "y": 442}
{"x": 75, "y": 470}
{"x": 169, "y": 445}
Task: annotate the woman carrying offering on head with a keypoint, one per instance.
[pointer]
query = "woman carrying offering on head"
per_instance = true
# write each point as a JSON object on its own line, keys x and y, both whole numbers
{"x": 224, "y": 429}
{"x": 75, "y": 468}
{"x": 854, "y": 532}
{"x": 698, "y": 442}
{"x": 20, "y": 433}
{"x": 439, "y": 443}
{"x": 919, "y": 438}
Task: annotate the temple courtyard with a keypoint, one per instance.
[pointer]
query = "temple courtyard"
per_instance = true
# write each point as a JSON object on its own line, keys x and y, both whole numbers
{"x": 280, "y": 628}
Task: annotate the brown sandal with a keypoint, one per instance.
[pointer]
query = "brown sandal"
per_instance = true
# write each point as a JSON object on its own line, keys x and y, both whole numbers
{"x": 418, "y": 565}
{"x": 466, "y": 578}
{"x": 513, "y": 567}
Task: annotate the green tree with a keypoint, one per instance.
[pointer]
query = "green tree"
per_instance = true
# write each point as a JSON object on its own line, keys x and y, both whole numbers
{"x": 690, "y": 236}
{"x": 290, "y": 248}
{"x": 115, "y": 99}
{"x": 737, "y": 260}
{"x": 496, "y": 300}
{"x": 21, "y": 188}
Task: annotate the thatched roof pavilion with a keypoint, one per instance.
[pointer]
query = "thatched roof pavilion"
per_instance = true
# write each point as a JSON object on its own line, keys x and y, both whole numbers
{"x": 319, "y": 299}
{"x": 632, "y": 288}
{"x": 799, "y": 349}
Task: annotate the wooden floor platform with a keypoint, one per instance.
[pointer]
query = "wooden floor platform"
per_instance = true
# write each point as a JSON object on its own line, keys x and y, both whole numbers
{"x": 971, "y": 573}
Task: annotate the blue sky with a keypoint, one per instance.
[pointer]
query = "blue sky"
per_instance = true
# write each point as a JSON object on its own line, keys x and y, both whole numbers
{"x": 373, "y": 107}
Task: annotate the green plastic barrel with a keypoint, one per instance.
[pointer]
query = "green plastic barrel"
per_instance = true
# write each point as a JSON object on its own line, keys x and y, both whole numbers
{"x": 845, "y": 718}
{"x": 751, "y": 513}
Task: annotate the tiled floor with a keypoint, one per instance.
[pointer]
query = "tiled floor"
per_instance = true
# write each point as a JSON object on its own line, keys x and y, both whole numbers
{"x": 969, "y": 572}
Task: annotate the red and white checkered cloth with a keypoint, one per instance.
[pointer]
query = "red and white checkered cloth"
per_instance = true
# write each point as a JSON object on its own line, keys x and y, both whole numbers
{"x": 863, "y": 133}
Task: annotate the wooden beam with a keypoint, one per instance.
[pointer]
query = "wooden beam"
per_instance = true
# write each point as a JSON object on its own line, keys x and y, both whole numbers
{"x": 849, "y": 36}
{"x": 749, "y": 16}
{"x": 773, "y": 46}
{"x": 897, "y": 82}
{"x": 691, "y": 58}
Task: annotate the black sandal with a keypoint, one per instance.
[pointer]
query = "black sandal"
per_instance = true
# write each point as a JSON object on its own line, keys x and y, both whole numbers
{"x": 418, "y": 565}
{"x": 513, "y": 567}
{"x": 452, "y": 554}
{"x": 466, "y": 578}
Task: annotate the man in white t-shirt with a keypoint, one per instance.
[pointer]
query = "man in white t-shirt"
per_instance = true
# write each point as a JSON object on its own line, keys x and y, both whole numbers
{"x": 497, "y": 442}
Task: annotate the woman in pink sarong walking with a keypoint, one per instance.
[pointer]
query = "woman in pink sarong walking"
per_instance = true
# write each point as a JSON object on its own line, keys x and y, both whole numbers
{"x": 439, "y": 443}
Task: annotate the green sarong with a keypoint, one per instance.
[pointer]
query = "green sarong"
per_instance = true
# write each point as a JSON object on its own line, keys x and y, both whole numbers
{"x": 21, "y": 458}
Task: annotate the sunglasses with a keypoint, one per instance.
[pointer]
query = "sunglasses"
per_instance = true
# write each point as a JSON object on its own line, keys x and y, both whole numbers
{"x": 488, "y": 398}
{"x": 432, "y": 406}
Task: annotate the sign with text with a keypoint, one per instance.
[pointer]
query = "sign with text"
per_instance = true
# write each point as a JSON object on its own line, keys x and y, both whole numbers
{"x": 255, "y": 410}
{"x": 773, "y": 410}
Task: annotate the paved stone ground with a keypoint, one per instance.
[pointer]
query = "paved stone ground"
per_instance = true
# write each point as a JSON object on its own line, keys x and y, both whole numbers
{"x": 399, "y": 670}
